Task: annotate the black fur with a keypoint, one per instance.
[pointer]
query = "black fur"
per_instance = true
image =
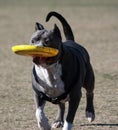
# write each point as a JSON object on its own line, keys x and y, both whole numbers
{"x": 66, "y": 27}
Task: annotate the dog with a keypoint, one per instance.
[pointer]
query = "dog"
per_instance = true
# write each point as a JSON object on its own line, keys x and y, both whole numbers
{"x": 59, "y": 79}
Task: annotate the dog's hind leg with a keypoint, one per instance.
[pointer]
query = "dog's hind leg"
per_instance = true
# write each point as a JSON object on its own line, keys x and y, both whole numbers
{"x": 40, "y": 115}
{"x": 89, "y": 86}
{"x": 60, "y": 115}
{"x": 90, "y": 113}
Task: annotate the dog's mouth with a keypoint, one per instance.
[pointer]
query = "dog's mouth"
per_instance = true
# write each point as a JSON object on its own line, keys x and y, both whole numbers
{"x": 43, "y": 60}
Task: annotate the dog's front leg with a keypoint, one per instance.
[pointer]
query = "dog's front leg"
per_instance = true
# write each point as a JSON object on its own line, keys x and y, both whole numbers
{"x": 73, "y": 105}
{"x": 40, "y": 115}
{"x": 60, "y": 115}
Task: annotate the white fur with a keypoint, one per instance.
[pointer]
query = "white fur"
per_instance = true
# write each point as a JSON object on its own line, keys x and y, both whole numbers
{"x": 90, "y": 116}
{"x": 67, "y": 126}
{"x": 50, "y": 79}
{"x": 57, "y": 124}
{"x": 41, "y": 119}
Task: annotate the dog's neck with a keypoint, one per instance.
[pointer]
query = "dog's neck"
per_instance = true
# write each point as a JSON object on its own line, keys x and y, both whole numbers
{"x": 49, "y": 70}
{"x": 48, "y": 66}
{"x": 50, "y": 79}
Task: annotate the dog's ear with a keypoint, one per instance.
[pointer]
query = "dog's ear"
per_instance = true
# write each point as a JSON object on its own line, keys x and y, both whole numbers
{"x": 38, "y": 26}
{"x": 56, "y": 31}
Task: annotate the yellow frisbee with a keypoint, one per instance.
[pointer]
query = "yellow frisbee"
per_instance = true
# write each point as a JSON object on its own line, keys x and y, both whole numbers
{"x": 32, "y": 50}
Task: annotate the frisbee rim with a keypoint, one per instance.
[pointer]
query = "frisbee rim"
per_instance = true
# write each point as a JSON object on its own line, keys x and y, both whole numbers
{"x": 32, "y": 50}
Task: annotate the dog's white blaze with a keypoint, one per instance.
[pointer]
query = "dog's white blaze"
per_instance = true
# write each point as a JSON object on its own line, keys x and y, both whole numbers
{"x": 67, "y": 126}
{"x": 50, "y": 79}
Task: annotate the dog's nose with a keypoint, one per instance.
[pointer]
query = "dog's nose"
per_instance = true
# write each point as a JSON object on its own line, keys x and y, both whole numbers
{"x": 32, "y": 41}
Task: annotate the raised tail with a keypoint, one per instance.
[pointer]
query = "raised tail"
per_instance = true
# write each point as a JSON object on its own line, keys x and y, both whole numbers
{"x": 66, "y": 27}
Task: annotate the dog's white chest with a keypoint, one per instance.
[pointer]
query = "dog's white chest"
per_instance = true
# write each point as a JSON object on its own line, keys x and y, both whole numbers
{"x": 50, "y": 79}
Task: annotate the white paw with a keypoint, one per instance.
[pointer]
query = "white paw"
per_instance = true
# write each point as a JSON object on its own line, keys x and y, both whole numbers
{"x": 67, "y": 126}
{"x": 90, "y": 116}
{"x": 57, "y": 124}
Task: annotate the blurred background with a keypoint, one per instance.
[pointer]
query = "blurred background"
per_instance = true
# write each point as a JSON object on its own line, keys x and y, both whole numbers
{"x": 95, "y": 26}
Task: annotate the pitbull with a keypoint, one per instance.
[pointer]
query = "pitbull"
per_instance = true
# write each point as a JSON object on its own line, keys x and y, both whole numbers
{"x": 60, "y": 78}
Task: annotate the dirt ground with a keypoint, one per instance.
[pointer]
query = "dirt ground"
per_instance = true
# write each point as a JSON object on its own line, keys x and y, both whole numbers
{"x": 95, "y": 26}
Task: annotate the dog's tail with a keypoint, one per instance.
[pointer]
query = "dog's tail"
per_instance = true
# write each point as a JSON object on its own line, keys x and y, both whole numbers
{"x": 66, "y": 27}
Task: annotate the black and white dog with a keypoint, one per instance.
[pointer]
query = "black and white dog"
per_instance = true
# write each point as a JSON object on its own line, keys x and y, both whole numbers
{"x": 59, "y": 79}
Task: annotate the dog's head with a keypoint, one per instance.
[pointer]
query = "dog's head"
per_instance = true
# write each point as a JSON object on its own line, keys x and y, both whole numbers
{"x": 43, "y": 37}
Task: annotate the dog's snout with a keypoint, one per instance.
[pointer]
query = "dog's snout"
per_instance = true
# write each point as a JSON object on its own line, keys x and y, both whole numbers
{"x": 37, "y": 43}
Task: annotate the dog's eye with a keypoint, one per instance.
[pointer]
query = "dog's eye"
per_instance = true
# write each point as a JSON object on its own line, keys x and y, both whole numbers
{"x": 46, "y": 42}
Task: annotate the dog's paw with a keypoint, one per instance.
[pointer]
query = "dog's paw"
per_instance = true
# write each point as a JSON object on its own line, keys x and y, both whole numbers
{"x": 57, "y": 124}
{"x": 90, "y": 116}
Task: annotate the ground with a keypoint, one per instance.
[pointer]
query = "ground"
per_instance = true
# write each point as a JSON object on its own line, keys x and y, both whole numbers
{"x": 95, "y": 26}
